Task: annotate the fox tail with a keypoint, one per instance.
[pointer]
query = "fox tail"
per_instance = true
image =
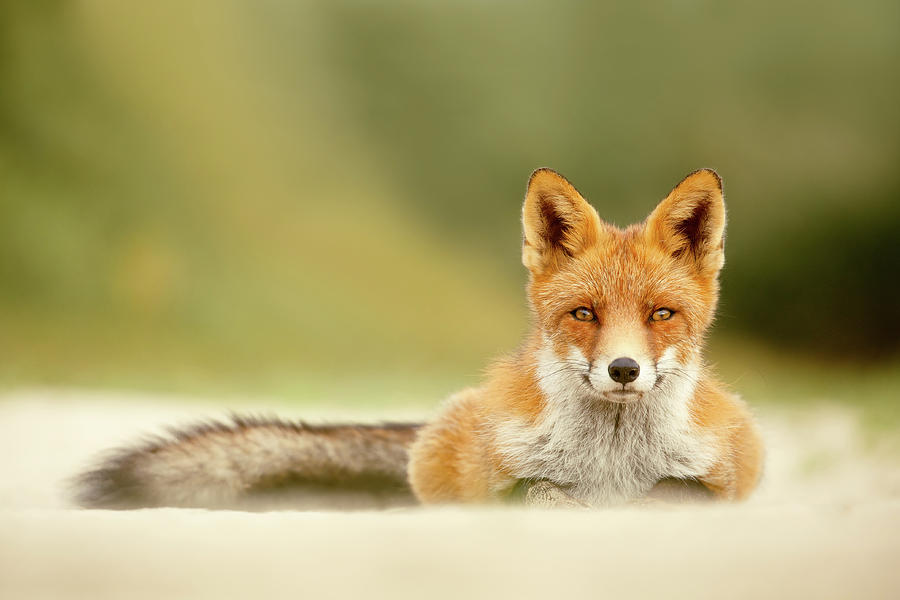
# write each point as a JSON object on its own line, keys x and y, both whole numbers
{"x": 257, "y": 464}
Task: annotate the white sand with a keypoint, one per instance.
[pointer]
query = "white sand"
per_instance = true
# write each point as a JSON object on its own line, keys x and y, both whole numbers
{"x": 824, "y": 524}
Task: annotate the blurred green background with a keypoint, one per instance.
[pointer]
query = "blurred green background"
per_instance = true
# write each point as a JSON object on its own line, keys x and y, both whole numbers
{"x": 321, "y": 199}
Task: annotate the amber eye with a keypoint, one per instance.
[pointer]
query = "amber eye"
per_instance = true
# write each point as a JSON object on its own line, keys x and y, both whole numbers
{"x": 583, "y": 314}
{"x": 662, "y": 314}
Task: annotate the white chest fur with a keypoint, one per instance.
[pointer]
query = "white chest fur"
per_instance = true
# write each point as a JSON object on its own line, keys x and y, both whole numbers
{"x": 605, "y": 452}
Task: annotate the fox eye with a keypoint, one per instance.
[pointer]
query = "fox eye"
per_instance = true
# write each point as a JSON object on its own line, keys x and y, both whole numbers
{"x": 662, "y": 314}
{"x": 583, "y": 314}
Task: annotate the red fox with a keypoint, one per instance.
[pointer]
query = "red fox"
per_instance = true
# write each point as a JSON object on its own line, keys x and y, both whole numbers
{"x": 607, "y": 401}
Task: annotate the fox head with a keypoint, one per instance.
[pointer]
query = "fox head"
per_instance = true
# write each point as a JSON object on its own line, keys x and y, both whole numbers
{"x": 622, "y": 312}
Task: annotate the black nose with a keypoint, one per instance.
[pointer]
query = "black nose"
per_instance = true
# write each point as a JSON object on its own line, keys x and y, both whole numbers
{"x": 624, "y": 370}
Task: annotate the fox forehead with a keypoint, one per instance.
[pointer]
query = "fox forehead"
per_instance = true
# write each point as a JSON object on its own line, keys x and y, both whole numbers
{"x": 621, "y": 276}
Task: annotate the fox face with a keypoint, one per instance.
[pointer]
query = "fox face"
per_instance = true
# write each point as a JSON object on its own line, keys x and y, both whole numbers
{"x": 622, "y": 312}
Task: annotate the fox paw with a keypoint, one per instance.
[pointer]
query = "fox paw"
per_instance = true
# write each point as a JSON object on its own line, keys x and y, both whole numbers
{"x": 544, "y": 494}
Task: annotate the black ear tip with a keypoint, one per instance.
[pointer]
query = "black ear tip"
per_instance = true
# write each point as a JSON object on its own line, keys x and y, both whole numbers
{"x": 710, "y": 172}
{"x": 539, "y": 172}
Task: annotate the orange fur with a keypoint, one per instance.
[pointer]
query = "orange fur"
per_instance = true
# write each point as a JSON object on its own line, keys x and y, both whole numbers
{"x": 576, "y": 260}
{"x": 736, "y": 473}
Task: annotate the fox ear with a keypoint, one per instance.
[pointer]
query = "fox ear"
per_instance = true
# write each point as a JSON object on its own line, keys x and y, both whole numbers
{"x": 558, "y": 223}
{"x": 690, "y": 223}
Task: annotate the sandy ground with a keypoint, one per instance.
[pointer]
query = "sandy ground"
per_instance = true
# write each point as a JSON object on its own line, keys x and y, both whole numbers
{"x": 824, "y": 524}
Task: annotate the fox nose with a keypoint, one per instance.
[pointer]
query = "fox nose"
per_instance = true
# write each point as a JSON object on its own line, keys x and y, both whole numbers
{"x": 624, "y": 370}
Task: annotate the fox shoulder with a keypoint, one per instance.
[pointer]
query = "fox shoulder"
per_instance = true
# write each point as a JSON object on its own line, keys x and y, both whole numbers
{"x": 729, "y": 421}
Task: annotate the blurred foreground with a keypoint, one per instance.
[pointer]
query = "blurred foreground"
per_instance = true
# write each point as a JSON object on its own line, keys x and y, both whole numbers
{"x": 825, "y": 523}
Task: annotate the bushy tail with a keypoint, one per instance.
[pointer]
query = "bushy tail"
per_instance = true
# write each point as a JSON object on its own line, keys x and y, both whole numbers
{"x": 251, "y": 463}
